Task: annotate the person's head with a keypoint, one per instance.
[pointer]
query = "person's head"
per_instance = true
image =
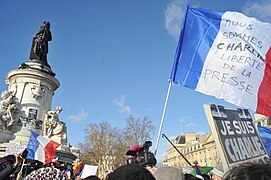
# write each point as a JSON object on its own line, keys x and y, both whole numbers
{"x": 58, "y": 109}
{"x": 206, "y": 177}
{"x": 7, "y": 161}
{"x": 218, "y": 171}
{"x": 190, "y": 177}
{"x": 249, "y": 171}
{"x": 93, "y": 177}
{"x": 168, "y": 173}
{"x": 130, "y": 172}
{"x": 135, "y": 148}
{"x": 46, "y": 24}
{"x": 5, "y": 94}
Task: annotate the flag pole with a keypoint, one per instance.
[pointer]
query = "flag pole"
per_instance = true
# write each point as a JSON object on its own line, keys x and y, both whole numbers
{"x": 163, "y": 135}
{"x": 172, "y": 77}
{"x": 21, "y": 171}
{"x": 162, "y": 119}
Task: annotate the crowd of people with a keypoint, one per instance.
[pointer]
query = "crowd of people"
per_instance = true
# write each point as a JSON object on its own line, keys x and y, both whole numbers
{"x": 15, "y": 167}
{"x": 140, "y": 166}
{"x": 244, "y": 171}
{"x": 11, "y": 168}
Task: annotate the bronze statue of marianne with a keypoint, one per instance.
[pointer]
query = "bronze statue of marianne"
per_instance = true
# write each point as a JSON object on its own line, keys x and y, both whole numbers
{"x": 39, "y": 48}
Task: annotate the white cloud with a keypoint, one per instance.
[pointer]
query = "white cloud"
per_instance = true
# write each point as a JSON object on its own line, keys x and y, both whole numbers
{"x": 184, "y": 120}
{"x": 121, "y": 104}
{"x": 259, "y": 9}
{"x": 174, "y": 13}
{"x": 181, "y": 120}
{"x": 191, "y": 124}
{"x": 80, "y": 116}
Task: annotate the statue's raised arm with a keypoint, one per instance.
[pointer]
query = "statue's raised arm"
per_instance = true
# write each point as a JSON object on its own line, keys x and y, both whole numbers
{"x": 39, "y": 48}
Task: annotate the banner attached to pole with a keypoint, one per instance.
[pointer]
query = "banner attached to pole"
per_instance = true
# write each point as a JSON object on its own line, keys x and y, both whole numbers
{"x": 226, "y": 55}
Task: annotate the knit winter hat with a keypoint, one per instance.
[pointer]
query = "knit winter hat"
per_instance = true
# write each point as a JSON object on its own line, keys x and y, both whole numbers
{"x": 168, "y": 173}
{"x": 218, "y": 170}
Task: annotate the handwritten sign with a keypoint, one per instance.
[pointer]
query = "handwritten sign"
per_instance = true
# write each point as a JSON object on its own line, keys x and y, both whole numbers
{"x": 15, "y": 148}
{"x": 235, "y": 65}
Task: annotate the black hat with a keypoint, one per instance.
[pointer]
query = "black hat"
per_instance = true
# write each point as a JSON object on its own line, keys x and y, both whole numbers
{"x": 131, "y": 172}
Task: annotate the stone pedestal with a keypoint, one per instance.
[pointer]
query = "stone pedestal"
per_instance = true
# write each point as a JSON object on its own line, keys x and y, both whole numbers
{"x": 5, "y": 136}
{"x": 66, "y": 156}
{"x": 34, "y": 88}
{"x": 26, "y": 105}
{"x": 33, "y": 85}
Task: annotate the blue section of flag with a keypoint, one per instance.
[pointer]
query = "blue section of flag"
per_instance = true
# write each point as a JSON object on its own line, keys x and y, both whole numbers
{"x": 198, "y": 171}
{"x": 199, "y": 29}
{"x": 265, "y": 134}
{"x": 33, "y": 145}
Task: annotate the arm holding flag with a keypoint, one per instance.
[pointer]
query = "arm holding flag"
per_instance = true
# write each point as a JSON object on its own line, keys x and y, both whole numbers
{"x": 8, "y": 171}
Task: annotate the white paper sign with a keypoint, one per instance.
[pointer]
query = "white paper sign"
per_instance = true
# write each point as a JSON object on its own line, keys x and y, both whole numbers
{"x": 88, "y": 170}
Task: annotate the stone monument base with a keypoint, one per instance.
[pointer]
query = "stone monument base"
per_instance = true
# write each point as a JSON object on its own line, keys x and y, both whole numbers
{"x": 66, "y": 157}
{"x": 37, "y": 65}
{"x": 5, "y": 136}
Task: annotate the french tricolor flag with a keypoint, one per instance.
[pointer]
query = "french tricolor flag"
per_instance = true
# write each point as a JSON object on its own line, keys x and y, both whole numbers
{"x": 41, "y": 148}
{"x": 226, "y": 55}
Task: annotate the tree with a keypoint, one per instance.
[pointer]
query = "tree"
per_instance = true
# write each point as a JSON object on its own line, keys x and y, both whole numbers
{"x": 103, "y": 146}
{"x": 106, "y": 146}
{"x": 137, "y": 131}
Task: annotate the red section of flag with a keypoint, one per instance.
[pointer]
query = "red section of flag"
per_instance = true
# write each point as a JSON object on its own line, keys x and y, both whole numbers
{"x": 50, "y": 150}
{"x": 264, "y": 93}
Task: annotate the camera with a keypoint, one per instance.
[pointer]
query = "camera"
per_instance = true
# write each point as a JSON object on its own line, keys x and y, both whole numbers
{"x": 142, "y": 155}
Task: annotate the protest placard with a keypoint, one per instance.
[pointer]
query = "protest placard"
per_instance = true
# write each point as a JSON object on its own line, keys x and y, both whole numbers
{"x": 235, "y": 136}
